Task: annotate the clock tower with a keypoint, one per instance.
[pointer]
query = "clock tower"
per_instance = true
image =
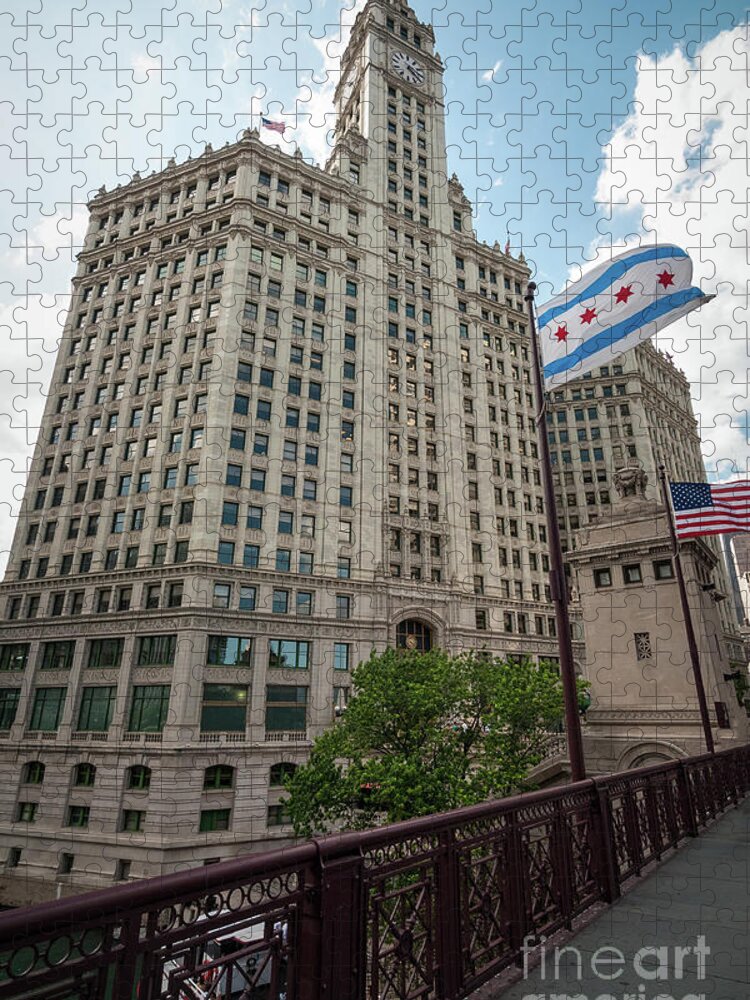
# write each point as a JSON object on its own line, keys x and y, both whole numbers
{"x": 390, "y": 141}
{"x": 391, "y": 94}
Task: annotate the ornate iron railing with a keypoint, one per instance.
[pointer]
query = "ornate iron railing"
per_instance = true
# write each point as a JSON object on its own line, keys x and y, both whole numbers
{"x": 429, "y": 908}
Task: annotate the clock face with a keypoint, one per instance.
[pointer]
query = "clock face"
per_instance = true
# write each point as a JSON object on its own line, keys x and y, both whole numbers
{"x": 407, "y": 67}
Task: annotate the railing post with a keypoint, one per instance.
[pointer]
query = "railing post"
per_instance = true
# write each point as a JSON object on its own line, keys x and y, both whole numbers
{"x": 687, "y": 802}
{"x": 307, "y": 947}
{"x": 632, "y": 829}
{"x": 449, "y": 917}
{"x": 563, "y": 868}
{"x": 729, "y": 765}
{"x": 672, "y": 808}
{"x": 517, "y": 887}
{"x": 652, "y": 802}
{"x": 602, "y": 816}
{"x": 343, "y": 932}
{"x": 127, "y": 968}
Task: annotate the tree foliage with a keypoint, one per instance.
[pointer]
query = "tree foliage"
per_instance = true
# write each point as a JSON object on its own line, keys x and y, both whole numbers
{"x": 426, "y": 732}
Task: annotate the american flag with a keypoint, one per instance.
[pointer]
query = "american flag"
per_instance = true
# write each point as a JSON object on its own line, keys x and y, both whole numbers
{"x": 710, "y": 508}
{"x": 274, "y": 126}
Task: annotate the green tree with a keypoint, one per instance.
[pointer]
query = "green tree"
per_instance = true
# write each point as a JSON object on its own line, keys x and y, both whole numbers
{"x": 426, "y": 732}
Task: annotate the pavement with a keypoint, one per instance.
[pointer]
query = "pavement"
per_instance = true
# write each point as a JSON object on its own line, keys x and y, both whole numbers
{"x": 683, "y": 933}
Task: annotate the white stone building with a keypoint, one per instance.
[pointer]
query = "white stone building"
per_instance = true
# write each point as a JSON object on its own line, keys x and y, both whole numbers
{"x": 291, "y": 420}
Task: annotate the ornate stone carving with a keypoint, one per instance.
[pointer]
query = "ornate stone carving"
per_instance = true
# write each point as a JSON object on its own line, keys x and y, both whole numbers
{"x": 630, "y": 481}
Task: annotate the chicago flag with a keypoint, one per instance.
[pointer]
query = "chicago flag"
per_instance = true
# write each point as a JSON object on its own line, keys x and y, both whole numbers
{"x": 614, "y": 307}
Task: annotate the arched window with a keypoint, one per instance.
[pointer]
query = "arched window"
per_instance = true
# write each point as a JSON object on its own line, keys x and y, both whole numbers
{"x": 139, "y": 777}
{"x": 280, "y": 772}
{"x": 84, "y": 774}
{"x": 33, "y": 773}
{"x": 218, "y": 776}
{"x": 414, "y": 634}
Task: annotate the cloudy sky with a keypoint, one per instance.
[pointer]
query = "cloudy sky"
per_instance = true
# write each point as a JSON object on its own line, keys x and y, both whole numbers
{"x": 576, "y": 127}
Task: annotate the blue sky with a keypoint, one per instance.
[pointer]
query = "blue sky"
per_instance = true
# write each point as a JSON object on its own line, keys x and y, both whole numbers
{"x": 573, "y": 127}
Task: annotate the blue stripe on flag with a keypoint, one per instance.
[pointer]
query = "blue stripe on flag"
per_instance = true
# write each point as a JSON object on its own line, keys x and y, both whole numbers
{"x": 608, "y": 278}
{"x": 609, "y": 337}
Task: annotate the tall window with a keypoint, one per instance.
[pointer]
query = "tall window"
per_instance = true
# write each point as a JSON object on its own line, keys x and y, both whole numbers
{"x": 47, "y": 709}
{"x": 148, "y": 710}
{"x": 57, "y": 655}
{"x": 33, "y": 773}
{"x": 341, "y": 656}
{"x": 230, "y": 651}
{"x": 8, "y": 706}
{"x": 97, "y": 706}
{"x": 133, "y": 820}
{"x": 156, "y": 650}
{"x": 78, "y": 816}
{"x": 13, "y": 656}
{"x": 289, "y": 654}
{"x": 105, "y": 652}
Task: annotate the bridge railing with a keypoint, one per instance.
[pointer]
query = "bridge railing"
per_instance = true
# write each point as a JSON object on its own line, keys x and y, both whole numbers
{"x": 429, "y": 908}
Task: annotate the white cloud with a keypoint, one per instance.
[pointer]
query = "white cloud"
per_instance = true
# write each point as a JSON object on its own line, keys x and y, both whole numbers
{"x": 489, "y": 74}
{"x": 676, "y": 171}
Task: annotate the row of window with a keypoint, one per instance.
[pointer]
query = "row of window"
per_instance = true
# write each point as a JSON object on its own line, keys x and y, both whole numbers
{"x": 302, "y": 602}
{"x": 159, "y": 552}
{"x": 138, "y": 777}
{"x": 171, "y": 197}
{"x": 160, "y": 650}
{"x": 223, "y": 707}
{"x": 134, "y": 821}
{"x": 154, "y": 595}
{"x": 566, "y": 457}
{"x": 632, "y": 573}
{"x": 304, "y": 198}
{"x": 70, "y": 431}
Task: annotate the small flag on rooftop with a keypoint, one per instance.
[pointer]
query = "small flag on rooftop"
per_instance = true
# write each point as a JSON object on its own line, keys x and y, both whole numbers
{"x": 710, "y": 508}
{"x": 613, "y": 308}
{"x": 273, "y": 126}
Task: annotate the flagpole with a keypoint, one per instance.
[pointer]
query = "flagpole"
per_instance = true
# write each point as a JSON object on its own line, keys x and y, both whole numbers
{"x": 558, "y": 585}
{"x": 692, "y": 645}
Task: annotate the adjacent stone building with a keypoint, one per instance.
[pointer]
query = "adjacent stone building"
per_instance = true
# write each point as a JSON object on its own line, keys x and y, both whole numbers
{"x": 638, "y": 409}
{"x": 644, "y": 703}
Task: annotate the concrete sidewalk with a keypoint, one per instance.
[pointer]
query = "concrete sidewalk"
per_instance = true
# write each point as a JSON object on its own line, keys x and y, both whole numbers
{"x": 702, "y": 892}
